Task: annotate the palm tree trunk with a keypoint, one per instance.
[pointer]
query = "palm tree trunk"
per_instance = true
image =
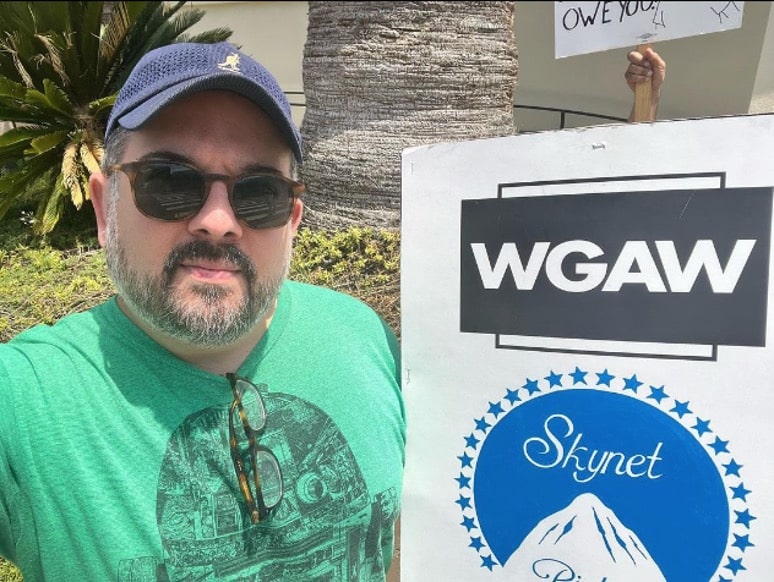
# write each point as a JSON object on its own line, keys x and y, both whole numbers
{"x": 383, "y": 76}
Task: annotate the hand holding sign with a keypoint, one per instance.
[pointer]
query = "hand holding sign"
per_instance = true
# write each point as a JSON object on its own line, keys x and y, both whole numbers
{"x": 645, "y": 74}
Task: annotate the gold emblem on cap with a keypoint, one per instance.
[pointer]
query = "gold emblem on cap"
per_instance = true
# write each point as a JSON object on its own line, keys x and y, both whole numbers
{"x": 230, "y": 64}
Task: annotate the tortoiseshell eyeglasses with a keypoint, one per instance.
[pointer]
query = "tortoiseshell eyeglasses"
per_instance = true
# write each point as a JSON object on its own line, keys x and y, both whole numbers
{"x": 261, "y": 481}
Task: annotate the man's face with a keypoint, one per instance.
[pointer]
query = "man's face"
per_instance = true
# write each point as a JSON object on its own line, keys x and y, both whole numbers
{"x": 210, "y": 279}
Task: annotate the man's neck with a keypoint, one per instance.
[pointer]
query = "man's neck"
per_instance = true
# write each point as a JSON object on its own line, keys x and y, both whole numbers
{"x": 215, "y": 359}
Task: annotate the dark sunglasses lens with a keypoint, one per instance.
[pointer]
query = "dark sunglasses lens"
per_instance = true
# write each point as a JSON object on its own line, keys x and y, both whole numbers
{"x": 271, "y": 478}
{"x": 262, "y": 201}
{"x": 168, "y": 191}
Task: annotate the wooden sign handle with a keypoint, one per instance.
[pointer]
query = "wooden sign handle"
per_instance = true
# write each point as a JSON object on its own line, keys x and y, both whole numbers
{"x": 642, "y": 95}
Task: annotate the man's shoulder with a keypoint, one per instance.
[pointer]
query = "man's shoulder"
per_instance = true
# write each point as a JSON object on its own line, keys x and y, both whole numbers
{"x": 72, "y": 328}
{"x": 330, "y": 307}
{"x": 315, "y": 295}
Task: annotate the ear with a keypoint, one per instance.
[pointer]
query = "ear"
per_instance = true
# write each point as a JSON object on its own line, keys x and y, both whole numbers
{"x": 297, "y": 214}
{"x": 99, "y": 191}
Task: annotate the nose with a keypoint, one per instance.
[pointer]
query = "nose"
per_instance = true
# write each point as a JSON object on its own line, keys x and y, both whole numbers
{"x": 216, "y": 219}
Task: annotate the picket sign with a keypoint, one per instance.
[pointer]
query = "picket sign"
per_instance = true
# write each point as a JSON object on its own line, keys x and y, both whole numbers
{"x": 587, "y": 352}
{"x": 587, "y": 27}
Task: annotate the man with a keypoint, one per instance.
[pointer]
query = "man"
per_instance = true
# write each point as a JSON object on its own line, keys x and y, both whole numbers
{"x": 213, "y": 421}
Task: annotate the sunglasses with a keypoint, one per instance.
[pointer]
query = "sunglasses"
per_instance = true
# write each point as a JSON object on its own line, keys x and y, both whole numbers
{"x": 257, "y": 469}
{"x": 174, "y": 191}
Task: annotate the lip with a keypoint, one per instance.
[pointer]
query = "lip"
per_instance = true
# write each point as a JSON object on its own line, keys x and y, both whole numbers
{"x": 211, "y": 271}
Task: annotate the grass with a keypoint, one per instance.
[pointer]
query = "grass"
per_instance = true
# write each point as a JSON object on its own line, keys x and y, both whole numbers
{"x": 42, "y": 280}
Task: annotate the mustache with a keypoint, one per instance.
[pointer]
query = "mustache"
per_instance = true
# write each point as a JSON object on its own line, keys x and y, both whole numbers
{"x": 201, "y": 249}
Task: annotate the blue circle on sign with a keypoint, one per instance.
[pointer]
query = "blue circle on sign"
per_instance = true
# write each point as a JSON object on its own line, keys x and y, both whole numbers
{"x": 640, "y": 463}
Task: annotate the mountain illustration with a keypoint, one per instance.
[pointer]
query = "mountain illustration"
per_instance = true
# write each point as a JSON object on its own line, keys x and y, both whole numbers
{"x": 583, "y": 541}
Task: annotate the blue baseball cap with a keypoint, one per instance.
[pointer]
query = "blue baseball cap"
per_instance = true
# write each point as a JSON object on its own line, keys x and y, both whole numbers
{"x": 176, "y": 70}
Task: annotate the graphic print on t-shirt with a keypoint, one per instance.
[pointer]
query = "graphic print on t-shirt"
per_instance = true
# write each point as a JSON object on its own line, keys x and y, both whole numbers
{"x": 325, "y": 527}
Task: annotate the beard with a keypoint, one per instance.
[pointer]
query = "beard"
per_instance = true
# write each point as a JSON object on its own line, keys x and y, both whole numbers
{"x": 202, "y": 314}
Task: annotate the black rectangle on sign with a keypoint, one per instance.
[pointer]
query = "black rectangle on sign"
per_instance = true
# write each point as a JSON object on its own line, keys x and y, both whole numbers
{"x": 675, "y": 266}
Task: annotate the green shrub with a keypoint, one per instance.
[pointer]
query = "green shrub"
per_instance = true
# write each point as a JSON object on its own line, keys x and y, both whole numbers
{"x": 75, "y": 229}
{"x": 8, "y": 573}
{"x": 42, "y": 285}
{"x": 363, "y": 262}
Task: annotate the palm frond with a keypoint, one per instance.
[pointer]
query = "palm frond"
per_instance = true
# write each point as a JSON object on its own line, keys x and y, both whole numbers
{"x": 115, "y": 32}
{"x": 6, "y": 203}
{"x": 99, "y": 106}
{"x": 44, "y": 143}
{"x": 53, "y": 50}
{"x": 10, "y": 89}
{"x": 14, "y": 179}
{"x": 51, "y": 208}
{"x": 21, "y": 69}
{"x": 209, "y": 36}
{"x": 23, "y": 135}
{"x": 57, "y": 98}
{"x": 16, "y": 16}
{"x": 87, "y": 21}
{"x": 70, "y": 170}
{"x": 91, "y": 156}
{"x": 84, "y": 176}
{"x": 16, "y": 141}
{"x": 134, "y": 46}
{"x": 44, "y": 102}
{"x": 60, "y": 71}
{"x": 176, "y": 26}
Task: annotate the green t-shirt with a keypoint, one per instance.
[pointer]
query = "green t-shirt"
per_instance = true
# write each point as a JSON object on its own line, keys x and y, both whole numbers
{"x": 115, "y": 461}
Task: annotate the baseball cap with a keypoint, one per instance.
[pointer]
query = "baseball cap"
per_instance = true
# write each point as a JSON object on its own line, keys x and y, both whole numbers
{"x": 176, "y": 70}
